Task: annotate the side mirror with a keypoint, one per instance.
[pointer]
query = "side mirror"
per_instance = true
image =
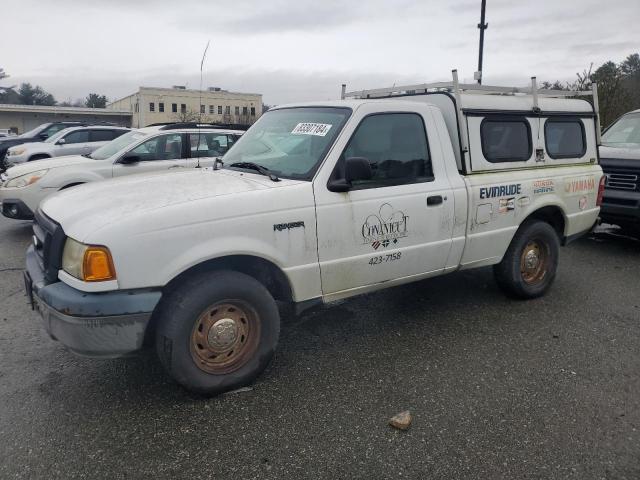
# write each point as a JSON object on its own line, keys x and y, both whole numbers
{"x": 355, "y": 168}
{"x": 62, "y": 141}
{"x": 43, "y": 136}
{"x": 129, "y": 159}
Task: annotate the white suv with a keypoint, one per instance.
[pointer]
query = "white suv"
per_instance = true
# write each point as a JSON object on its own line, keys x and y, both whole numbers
{"x": 149, "y": 149}
{"x": 70, "y": 141}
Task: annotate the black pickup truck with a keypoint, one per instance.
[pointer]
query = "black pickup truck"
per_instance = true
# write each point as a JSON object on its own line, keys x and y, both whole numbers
{"x": 620, "y": 161}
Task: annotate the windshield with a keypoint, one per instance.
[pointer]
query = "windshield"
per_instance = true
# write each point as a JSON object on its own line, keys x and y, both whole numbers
{"x": 291, "y": 142}
{"x": 625, "y": 131}
{"x": 114, "y": 146}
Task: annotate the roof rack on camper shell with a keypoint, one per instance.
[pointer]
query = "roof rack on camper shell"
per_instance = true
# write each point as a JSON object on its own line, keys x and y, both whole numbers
{"x": 456, "y": 88}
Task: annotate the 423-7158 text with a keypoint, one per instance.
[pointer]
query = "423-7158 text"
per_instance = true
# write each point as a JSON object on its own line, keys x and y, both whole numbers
{"x": 390, "y": 257}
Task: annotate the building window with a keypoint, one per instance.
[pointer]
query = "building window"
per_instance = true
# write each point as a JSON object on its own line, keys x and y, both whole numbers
{"x": 152, "y": 107}
{"x": 212, "y": 109}
{"x": 202, "y": 109}
{"x": 183, "y": 108}
{"x": 253, "y": 111}
{"x": 137, "y": 107}
{"x": 174, "y": 107}
{"x": 219, "y": 109}
{"x": 237, "y": 110}
{"x": 161, "y": 107}
{"x": 227, "y": 110}
{"x": 244, "y": 111}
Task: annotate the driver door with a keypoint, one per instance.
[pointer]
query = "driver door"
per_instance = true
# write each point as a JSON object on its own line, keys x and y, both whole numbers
{"x": 398, "y": 224}
{"x": 163, "y": 152}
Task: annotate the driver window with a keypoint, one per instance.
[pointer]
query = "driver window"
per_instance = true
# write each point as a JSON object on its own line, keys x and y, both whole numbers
{"x": 79, "y": 136}
{"x": 395, "y": 144}
{"x": 163, "y": 147}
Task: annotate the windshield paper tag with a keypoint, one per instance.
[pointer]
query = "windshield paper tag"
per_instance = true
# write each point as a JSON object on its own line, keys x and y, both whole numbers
{"x": 319, "y": 129}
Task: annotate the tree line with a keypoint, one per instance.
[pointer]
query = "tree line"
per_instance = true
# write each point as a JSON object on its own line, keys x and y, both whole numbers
{"x": 27, "y": 94}
{"x": 618, "y": 86}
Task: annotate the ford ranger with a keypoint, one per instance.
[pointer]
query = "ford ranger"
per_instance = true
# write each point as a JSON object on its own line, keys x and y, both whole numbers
{"x": 316, "y": 202}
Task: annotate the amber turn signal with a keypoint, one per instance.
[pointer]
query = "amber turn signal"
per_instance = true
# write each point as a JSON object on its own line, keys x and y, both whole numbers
{"x": 97, "y": 265}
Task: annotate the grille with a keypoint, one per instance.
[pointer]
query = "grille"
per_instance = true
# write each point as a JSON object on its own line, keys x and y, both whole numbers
{"x": 48, "y": 242}
{"x": 622, "y": 181}
{"x": 620, "y": 177}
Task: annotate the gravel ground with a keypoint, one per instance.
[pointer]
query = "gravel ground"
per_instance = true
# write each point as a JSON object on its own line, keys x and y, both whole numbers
{"x": 498, "y": 388}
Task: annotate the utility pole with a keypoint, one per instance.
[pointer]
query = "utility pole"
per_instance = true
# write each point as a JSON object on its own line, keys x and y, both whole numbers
{"x": 482, "y": 26}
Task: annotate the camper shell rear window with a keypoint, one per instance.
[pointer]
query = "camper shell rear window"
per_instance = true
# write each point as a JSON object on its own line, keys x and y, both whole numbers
{"x": 506, "y": 139}
{"x": 565, "y": 138}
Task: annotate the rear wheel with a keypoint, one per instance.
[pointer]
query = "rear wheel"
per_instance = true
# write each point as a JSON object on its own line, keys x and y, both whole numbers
{"x": 530, "y": 263}
{"x": 217, "y": 331}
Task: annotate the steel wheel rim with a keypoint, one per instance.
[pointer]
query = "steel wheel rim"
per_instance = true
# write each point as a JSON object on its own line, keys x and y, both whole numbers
{"x": 534, "y": 262}
{"x": 224, "y": 337}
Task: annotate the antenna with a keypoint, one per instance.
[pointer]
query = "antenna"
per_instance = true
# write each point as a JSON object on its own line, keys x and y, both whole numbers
{"x": 204, "y": 54}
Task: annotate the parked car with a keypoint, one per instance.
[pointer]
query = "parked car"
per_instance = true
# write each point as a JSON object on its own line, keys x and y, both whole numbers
{"x": 38, "y": 134}
{"x": 620, "y": 160}
{"x": 24, "y": 186}
{"x": 316, "y": 202}
{"x": 70, "y": 141}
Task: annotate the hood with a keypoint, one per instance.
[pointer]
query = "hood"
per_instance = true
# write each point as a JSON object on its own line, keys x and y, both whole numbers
{"x": 85, "y": 208}
{"x": 47, "y": 163}
{"x": 30, "y": 144}
{"x": 627, "y": 151}
{"x": 11, "y": 141}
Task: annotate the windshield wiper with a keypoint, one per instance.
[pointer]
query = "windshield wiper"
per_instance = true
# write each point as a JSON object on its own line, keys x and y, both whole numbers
{"x": 259, "y": 168}
{"x": 87, "y": 155}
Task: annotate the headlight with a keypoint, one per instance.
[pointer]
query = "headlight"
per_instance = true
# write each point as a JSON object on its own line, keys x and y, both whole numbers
{"x": 26, "y": 179}
{"x": 90, "y": 263}
{"x": 16, "y": 151}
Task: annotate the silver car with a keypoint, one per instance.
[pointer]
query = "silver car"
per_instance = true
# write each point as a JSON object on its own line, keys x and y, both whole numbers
{"x": 70, "y": 141}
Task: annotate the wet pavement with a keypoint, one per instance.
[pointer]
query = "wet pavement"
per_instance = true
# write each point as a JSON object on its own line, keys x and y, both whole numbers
{"x": 497, "y": 388}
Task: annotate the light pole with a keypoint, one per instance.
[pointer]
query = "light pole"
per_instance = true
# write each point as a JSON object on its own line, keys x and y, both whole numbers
{"x": 482, "y": 26}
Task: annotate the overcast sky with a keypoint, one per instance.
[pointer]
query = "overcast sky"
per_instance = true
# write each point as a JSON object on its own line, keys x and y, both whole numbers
{"x": 294, "y": 50}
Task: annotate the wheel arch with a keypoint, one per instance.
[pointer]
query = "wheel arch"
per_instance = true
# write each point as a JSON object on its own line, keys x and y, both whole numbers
{"x": 553, "y": 215}
{"x": 72, "y": 184}
{"x": 264, "y": 271}
{"x": 38, "y": 156}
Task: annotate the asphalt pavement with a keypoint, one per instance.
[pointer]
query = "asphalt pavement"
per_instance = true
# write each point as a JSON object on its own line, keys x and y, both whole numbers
{"x": 497, "y": 388}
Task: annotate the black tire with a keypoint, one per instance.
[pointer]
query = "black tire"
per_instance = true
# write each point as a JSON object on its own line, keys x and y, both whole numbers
{"x": 38, "y": 157}
{"x": 191, "y": 345}
{"x": 523, "y": 273}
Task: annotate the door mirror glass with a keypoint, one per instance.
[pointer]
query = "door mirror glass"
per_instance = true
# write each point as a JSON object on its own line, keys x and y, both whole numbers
{"x": 355, "y": 168}
{"x": 129, "y": 159}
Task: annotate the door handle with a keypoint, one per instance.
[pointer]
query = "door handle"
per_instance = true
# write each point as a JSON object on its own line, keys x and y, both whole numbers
{"x": 434, "y": 200}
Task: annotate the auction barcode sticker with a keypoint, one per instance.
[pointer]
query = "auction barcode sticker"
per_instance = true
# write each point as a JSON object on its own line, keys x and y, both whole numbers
{"x": 320, "y": 129}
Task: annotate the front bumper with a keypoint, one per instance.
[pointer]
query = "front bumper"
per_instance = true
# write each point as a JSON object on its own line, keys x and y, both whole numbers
{"x": 16, "y": 209}
{"x": 106, "y": 325}
{"x": 621, "y": 207}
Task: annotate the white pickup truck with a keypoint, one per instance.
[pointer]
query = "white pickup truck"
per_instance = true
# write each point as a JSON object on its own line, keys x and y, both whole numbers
{"x": 316, "y": 202}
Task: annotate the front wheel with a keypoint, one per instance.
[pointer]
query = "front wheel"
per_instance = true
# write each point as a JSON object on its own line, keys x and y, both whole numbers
{"x": 217, "y": 331}
{"x": 530, "y": 263}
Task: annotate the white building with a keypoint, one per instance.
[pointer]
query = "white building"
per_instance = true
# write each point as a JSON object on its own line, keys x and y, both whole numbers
{"x": 178, "y": 104}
